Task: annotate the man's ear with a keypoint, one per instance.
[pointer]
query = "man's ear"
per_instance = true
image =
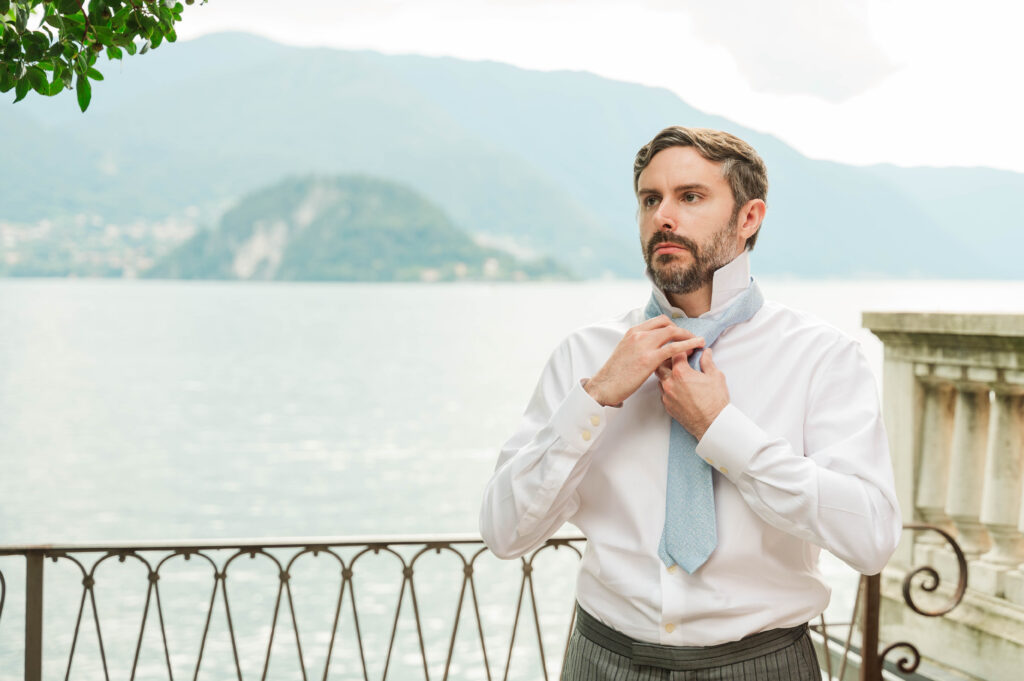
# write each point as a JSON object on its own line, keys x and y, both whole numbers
{"x": 750, "y": 217}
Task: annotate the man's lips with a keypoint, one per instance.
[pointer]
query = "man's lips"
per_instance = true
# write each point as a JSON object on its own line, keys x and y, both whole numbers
{"x": 668, "y": 247}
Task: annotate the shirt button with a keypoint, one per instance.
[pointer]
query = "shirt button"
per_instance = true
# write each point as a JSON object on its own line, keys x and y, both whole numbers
{"x": 710, "y": 461}
{"x": 595, "y": 420}
{"x": 724, "y": 470}
{"x": 585, "y": 435}
{"x": 670, "y": 627}
{"x": 676, "y": 315}
{"x": 671, "y": 569}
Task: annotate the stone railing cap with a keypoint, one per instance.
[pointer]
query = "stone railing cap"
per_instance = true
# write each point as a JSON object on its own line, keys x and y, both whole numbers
{"x": 963, "y": 324}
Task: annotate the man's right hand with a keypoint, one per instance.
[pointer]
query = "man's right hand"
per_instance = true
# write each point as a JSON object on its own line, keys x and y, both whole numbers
{"x": 638, "y": 354}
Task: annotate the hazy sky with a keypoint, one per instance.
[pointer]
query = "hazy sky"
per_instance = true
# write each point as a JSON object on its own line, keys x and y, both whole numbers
{"x": 912, "y": 82}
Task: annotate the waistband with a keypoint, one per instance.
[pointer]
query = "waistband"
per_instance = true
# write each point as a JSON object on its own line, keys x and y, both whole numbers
{"x": 685, "y": 658}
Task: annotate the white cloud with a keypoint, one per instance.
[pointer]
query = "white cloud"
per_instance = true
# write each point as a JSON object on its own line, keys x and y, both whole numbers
{"x": 929, "y": 82}
{"x": 823, "y": 49}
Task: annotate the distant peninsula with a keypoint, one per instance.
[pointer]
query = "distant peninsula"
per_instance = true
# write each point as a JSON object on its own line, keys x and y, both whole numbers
{"x": 342, "y": 228}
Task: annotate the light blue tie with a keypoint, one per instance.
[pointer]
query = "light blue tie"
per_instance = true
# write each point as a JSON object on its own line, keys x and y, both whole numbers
{"x": 689, "y": 535}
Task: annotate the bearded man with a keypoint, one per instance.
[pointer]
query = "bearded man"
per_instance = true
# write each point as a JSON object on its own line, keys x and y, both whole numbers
{"x": 708, "y": 444}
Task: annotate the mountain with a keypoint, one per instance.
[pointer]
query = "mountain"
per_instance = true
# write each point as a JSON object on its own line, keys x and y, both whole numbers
{"x": 531, "y": 162}
{"x": 350, "y": 228}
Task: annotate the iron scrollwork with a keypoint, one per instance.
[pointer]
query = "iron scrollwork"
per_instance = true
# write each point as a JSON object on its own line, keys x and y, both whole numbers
{"x": 929, "y": 582}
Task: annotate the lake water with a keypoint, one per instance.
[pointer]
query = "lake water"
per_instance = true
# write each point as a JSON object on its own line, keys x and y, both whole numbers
{"x": 181, "y": 410}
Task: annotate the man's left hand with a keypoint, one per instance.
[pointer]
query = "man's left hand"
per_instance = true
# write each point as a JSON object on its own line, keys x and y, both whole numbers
{"x": 694, "y": 398}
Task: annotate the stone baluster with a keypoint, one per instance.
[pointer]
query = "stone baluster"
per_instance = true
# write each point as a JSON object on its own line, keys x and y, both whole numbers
{"x": 967, "y": 465}
{"x": 1004, "y": 468}
{"x": 982, "y": 357}
{"x": 935, "y": 442}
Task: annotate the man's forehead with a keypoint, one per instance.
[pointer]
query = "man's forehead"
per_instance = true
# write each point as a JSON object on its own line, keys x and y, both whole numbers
{"x": 680, "y": 166}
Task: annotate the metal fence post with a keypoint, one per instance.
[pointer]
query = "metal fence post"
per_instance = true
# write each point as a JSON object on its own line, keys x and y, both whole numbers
{"x": 34, "y": 616}
{"x": 870, "y": 664}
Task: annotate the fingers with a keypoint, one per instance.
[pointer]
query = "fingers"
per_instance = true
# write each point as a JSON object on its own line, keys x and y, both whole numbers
{"x": 664, "y": 370}
{"x": 673, "y": 334}
{"x": 707, "y": 363}
{"x": 664, "y": 326}
{"x": 654, "y": 323}
{"x": 681, "y": 348}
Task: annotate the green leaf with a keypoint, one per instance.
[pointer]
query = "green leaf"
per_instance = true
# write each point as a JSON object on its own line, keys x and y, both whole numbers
{"x": 94, "y": 74}
{"x": 121, "y": 16}
{"x": 21, "y": 89}
{"x": 56, "y": 87}
{"x": 37, "y": 77}
{"x": 84, "y": 91}
{"x": 5, "y": 6}
{"x": 12, "y": 49}
{"x": 131, "y": 48}
{"x": 114, "y": 52}
{"x": 145, "y": 48}
{"x": 76, "y": 21}
{"x": 36, "y": 44}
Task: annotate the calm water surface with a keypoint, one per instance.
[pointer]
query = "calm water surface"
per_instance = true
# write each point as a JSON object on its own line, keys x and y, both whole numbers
{"x": 182, "y": 410}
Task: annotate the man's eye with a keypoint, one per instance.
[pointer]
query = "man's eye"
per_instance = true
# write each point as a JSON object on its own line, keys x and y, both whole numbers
{"x": 650, "y": 201}
{"x": 690, "y": 197}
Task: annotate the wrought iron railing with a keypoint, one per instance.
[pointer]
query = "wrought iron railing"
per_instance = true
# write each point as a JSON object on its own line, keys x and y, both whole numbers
{"x": 221, "y": 560}
{"x": 349, "y": 559}
{"x": 866, "y": 616}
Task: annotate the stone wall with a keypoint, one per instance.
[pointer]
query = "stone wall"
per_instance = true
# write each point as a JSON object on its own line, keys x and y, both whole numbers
{"x": 953, "y": 393}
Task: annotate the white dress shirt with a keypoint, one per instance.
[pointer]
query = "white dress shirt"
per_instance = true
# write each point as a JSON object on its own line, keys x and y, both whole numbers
{"x": 800, "y": 460}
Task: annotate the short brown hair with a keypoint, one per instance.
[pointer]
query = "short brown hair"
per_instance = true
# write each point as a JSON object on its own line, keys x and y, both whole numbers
{"x": 741, "y": 166}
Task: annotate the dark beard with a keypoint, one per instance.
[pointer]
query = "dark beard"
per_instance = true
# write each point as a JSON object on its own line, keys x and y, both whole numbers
{"x": 707, "y": 258}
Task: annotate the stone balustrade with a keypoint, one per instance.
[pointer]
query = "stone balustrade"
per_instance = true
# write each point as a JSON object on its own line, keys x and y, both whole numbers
{"x": 953, "y": 395}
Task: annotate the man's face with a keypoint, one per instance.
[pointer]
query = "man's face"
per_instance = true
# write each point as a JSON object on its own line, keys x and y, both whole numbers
{"x": 688, "y": 225}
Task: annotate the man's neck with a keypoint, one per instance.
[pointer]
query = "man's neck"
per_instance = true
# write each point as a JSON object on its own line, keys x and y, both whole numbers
{"x": 694, "y": 304}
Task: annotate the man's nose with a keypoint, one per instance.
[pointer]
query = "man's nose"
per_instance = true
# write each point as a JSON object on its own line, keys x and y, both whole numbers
{"x": 664, "y": 218}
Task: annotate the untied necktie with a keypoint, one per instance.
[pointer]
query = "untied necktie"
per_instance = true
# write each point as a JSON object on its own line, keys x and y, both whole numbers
{"x": 689, "y": 535}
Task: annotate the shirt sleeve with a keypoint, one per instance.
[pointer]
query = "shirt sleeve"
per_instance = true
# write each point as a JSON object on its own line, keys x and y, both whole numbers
{"x": 533, "y": 489}
{"x": 839, "y": 492}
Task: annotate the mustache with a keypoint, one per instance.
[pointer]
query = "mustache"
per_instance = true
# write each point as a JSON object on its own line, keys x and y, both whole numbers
{"x": 667, "y": 237}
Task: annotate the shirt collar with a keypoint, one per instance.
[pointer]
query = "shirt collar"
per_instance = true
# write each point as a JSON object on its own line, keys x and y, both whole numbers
{"x": 729, "y": 281}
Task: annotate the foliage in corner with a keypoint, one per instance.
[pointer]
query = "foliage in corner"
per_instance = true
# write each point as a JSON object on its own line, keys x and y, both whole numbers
{"x": 61, "y": 52}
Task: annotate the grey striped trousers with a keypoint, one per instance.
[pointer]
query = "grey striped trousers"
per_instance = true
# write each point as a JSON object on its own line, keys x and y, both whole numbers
{"x": 599, "y": 653}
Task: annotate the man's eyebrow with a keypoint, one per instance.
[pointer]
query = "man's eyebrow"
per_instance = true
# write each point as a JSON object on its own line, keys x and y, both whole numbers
{"x": 693, "y": 186}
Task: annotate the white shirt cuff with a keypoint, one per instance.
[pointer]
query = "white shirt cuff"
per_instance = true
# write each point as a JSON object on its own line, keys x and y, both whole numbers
{"x": 580, "y": 419}
{"x": 731, "y": 441}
